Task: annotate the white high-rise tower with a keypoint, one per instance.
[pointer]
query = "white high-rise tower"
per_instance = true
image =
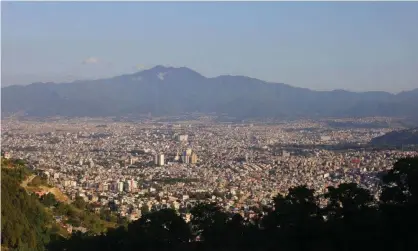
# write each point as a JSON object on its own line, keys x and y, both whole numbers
{"x": 159, "y": 159}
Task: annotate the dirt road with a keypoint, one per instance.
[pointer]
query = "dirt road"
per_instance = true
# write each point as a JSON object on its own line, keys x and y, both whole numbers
{"x": 25, "y": 183}
{"x": 55, "y": 191}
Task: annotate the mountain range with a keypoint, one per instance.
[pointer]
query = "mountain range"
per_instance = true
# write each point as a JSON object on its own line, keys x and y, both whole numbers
{"x": 174, "y": 91}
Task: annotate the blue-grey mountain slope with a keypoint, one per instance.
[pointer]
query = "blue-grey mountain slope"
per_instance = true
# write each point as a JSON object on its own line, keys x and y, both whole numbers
{"x": 172, "y": 91}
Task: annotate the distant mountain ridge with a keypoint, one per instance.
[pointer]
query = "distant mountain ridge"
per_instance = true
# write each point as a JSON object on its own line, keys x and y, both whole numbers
{"x": 172, "y": 91}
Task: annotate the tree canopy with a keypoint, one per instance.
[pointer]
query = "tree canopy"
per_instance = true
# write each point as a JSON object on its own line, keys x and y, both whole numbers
{"x": 23, "y": 219}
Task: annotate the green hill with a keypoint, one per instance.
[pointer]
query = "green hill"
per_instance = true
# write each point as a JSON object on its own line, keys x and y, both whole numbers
{"x": 24, "y": 222}
{"x": 27, "y": 221}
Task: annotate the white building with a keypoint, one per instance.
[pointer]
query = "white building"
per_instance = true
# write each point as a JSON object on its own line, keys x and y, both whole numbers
{"x": 325, "y": 138}
{"x": 159, "y": 159}
{"x": 120, "y": 186}
{"x": 183, "y": 137}
{"x": 133, "y": 160}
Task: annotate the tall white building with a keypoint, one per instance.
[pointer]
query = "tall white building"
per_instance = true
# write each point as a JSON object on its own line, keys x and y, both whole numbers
{"x": 120, "y": 186}
{"x": 159, "y": 159}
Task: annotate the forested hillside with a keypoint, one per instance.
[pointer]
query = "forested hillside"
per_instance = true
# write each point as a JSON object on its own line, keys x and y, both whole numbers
{"x": 24, "y": 223}
{"x": 30, "y": 222}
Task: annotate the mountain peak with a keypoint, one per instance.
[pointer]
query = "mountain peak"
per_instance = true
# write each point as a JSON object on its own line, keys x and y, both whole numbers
{"x": 162, "y": 71}
{"x": 161, "y": 68}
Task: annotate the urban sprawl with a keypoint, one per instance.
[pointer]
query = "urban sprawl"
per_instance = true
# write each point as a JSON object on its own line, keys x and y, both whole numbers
{"x": 130, "y": 167}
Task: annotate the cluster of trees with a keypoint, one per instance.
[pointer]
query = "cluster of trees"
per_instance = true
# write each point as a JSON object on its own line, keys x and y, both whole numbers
{"x": 24, "y": 222}
{"x": 27, "y": 221}
{"x": 352, "y": 219}
{"x": 78, "y": 214}
{"x": 15, "y": 168}
{"x": 175, "y": 180}
{"x": 38, "y": 181}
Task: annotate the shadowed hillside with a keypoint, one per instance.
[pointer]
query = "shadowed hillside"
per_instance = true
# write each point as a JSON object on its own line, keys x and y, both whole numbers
{"x": 397, "y": 138}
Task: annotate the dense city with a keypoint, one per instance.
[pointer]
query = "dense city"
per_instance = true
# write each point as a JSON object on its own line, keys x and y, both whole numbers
{"x": 132, "y": 167}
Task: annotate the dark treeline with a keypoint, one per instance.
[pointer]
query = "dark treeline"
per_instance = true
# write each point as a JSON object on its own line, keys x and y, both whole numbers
{"x": 351, "y": 219}
{"x": 352, "y": 124}
{"x": 344, "y": 147}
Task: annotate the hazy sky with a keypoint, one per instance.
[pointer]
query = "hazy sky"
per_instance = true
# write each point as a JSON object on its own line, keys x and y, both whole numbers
{"x": 355, "y": 46}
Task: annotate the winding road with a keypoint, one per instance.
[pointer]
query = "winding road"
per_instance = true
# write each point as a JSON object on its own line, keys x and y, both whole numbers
{"x": 25, "y": 183}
